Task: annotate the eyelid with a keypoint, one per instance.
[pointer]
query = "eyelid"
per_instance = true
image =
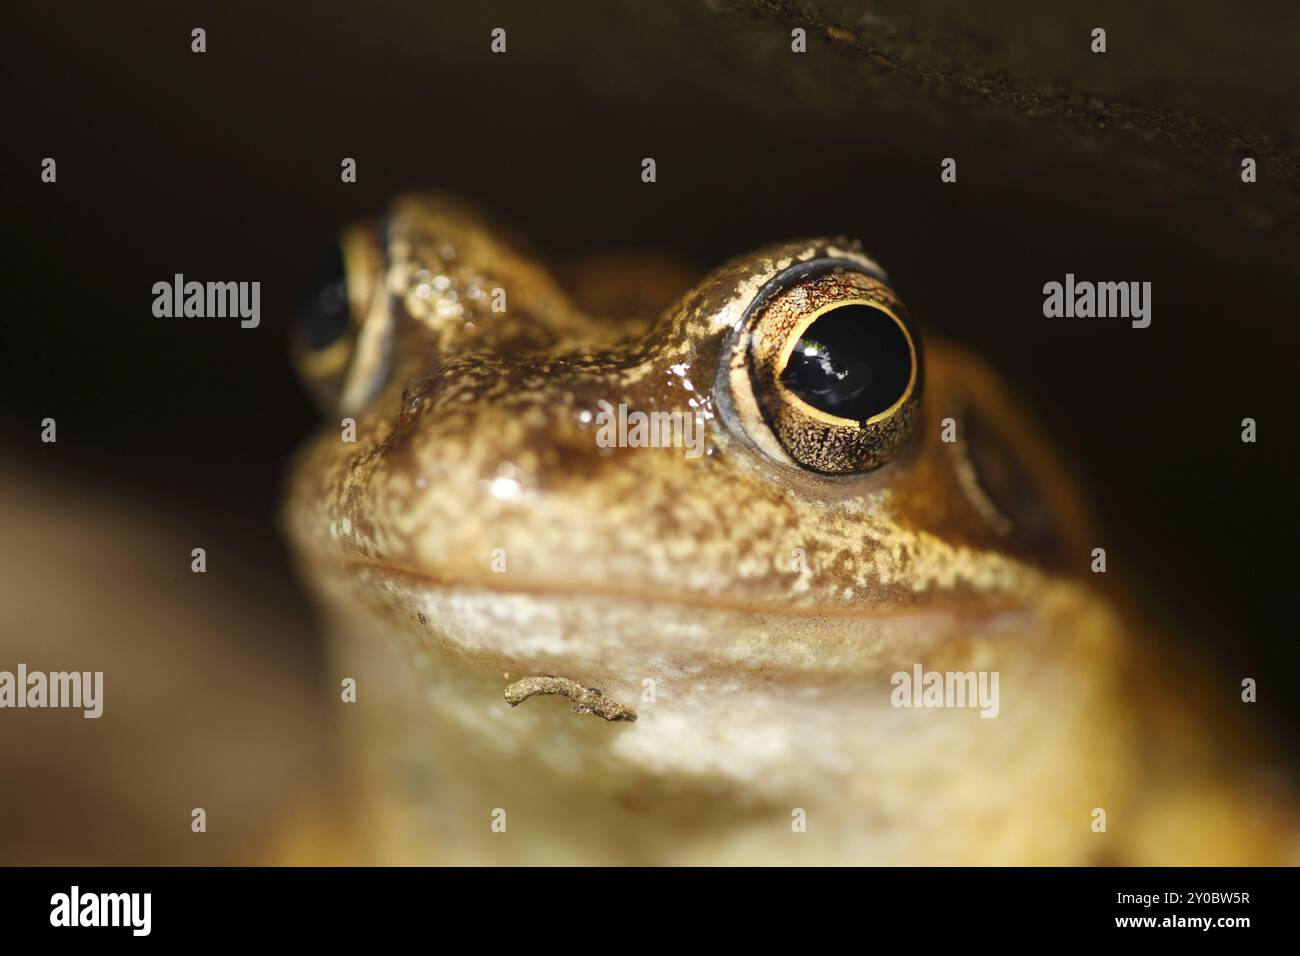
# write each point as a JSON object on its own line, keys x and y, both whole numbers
{"x": 362, "y": 265}
{"x": 803, "y": 271}
{"x": 372, "y": 351}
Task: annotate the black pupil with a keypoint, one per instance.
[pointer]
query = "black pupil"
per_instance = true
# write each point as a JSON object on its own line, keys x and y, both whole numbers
{"x": 853, "y": 362}
{"x": 324, "y": 314}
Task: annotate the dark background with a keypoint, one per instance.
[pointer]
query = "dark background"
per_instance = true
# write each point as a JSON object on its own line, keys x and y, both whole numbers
{"x": 1122, "y": 166}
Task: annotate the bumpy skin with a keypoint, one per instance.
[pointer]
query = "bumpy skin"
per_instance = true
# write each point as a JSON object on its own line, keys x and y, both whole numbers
{"x": 748, "y": 612}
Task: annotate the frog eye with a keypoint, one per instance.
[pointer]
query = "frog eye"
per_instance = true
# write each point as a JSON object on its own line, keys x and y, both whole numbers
{"x": 343, "y": 339}
{"x": 827, "y": 372}
{"x": 324, "y": 314}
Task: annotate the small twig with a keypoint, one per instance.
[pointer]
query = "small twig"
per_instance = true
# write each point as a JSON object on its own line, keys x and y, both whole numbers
{"x": 586, "y": 700}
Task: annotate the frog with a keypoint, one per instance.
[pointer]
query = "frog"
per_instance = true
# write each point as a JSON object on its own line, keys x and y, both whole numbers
{"x": 569, "y": 650}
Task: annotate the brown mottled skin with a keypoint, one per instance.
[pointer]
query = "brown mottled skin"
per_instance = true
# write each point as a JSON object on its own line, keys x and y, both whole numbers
{"x": 749, "y": 611}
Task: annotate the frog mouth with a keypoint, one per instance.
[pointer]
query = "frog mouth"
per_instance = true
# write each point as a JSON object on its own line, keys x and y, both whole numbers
{"x": 600, "y": 631}
{"x": 967, "y": 606}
